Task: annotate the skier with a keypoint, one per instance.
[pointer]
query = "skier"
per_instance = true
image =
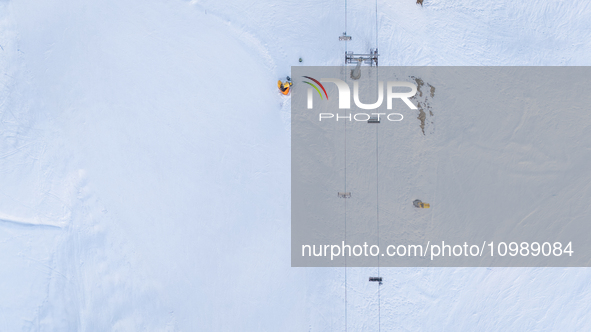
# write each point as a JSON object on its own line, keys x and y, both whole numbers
{"x": 284, "y": 87}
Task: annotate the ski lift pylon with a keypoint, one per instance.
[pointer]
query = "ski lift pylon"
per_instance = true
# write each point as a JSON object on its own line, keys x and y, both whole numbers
{"x": 371, "y": 58}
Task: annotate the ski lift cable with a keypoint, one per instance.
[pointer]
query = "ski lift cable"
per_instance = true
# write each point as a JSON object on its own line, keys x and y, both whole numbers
{"x": 378, "y": 213}
{"x": 345, "y": 178}
{"x": 345, "y": 225}
{"x": 377, "y": 187}
{"x": 376, "y": 24}
{"x": 345, "y": 185}
{"x": 345, "y": 25}
{"x": 378, "y": 222}
{"x": 345, "y": 16}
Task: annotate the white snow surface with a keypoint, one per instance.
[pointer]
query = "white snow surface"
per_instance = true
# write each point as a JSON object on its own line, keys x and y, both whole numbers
{"x": 145, "y": 157}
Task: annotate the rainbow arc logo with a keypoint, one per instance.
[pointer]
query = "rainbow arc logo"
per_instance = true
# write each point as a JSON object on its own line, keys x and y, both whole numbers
{"x": 315, "y": 87}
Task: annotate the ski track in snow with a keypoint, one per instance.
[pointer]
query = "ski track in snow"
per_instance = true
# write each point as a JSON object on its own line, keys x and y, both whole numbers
{"x": 139, "y": 193}
{"x": 28, "y": 223}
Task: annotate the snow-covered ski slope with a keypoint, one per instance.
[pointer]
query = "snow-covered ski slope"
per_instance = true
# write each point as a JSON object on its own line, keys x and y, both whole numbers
{"x": 145, "y": 165}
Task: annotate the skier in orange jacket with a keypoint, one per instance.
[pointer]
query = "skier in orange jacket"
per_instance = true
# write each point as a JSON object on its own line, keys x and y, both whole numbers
{"x": 284, "y": 87}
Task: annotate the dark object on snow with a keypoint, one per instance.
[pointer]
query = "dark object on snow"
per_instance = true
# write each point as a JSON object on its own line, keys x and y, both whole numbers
{"x": 345, "y": 195}
{"x": 301, "y": 60}
{"x": 376, "y": 279}
{"x": 420, "y": 2}
{"x": 373, "y": 119}
{"x": 345, "y": 37}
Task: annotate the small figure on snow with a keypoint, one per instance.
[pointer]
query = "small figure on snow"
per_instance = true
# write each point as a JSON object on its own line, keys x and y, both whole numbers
{"x": 284, "y": 87}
